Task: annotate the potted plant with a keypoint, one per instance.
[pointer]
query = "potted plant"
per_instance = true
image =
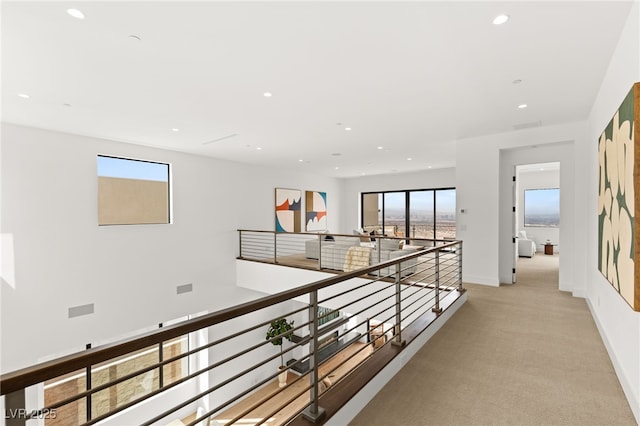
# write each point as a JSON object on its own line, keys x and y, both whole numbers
{"x": 278, "y": 330}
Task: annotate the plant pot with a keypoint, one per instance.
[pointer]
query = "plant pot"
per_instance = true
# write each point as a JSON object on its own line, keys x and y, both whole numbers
{"x": 282, "y": 377}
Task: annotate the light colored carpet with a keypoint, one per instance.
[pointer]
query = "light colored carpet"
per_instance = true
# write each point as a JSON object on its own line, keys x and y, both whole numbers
{"x": 523, "y": 354}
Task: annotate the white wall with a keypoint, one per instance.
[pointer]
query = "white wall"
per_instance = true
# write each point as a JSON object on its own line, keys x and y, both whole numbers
{"x": 438, "y": 178}
{"x": 130, "y": 273}
{"x": 562, "y": 152}
{"x": 619, "y": 325}
{"x": 537, "y": 179}
{"x": 484, "y": 190}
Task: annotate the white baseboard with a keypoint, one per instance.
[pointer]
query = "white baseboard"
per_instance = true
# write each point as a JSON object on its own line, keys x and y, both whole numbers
{"x": 476, "y": 279}
{"x": 366, "y": 394}
{"x": 632, "y": 398}
{"x": 580, "y": 292}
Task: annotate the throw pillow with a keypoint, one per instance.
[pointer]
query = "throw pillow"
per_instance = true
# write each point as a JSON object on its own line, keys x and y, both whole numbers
{"x": 386, "y": 244}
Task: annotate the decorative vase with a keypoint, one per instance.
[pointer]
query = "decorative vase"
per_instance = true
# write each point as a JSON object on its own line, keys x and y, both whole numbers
{"x": 282, "y": 377}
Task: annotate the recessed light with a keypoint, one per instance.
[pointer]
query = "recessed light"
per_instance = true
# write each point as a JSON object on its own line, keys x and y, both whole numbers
{"x": 75, "y": 13}
{"x": 542, "y": 169}
{"x": 267, "y": 94}
{"x": 258, "y": 148}
{"x": 175, "y": 129}
{"x": 428, "y": 167}
{"x": 24, "y": 95}
{"x": 300, "y": 160}
{"x": 522, "y": 106}
{"x": 409, "y": 158}
{"x": 500, "y": 19}
{"x": 337, "y": 168}
{"x": 348, "y": 129}
{"x": 379, "y": 147}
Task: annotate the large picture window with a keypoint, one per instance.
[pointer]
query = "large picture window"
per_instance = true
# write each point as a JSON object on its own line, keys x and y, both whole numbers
{"x": 542, "y": 207}
{"x": 132, "y": 191}
{"x": 425, "y": 213}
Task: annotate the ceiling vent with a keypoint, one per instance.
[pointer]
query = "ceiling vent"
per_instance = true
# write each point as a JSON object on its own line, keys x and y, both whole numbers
{"x": 232, "y": 135}
{"x": 527, "y": 125}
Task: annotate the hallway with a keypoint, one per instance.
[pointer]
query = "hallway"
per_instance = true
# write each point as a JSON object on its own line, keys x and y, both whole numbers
{"x": 522, "y": 354}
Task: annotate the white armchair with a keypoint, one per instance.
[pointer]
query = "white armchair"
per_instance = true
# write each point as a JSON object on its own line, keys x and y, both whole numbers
{"x": 526, "y": 247}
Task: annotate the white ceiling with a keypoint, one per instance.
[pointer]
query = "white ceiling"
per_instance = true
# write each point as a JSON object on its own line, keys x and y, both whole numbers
{"x": 411, "y": 77}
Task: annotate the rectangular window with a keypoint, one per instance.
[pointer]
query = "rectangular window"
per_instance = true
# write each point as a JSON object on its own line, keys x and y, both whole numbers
{"x": 395, "y": 213}
{"x": 421, "y": 216}
{"x": 116, "y": 395}
{"x": 446, "y": 214}
{"x": 371, "y": 210}
{"x": 423, "y": 213}
{"x": 132, "y": 192}
{"x": 542, "y": 207}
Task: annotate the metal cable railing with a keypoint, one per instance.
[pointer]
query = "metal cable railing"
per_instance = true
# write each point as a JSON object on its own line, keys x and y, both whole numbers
{"x": 337, "y": 324}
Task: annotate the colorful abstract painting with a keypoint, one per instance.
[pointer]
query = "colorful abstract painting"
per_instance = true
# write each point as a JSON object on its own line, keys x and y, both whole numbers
{"x": 288, "y": 210}
{"x": 618, "y": 217}
{"x": 316, "y": 209}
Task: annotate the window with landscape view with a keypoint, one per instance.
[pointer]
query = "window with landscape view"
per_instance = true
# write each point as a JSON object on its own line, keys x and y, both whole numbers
{"x": 542, "y": 207}
{"x": 426, "y": 213}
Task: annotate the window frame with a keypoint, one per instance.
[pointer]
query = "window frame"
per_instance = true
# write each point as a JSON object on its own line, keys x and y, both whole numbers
{"x": 524, "y": 208}
{"x": 407, "y": 192}
{"x": 169, "y": 181}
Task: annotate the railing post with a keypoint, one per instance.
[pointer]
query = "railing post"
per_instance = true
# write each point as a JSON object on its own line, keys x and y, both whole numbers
{"x": 240, "y": 242}
{"x": 88, "y": 384}
{"x": 460, "y": 288}
{"x": 313, "y": 412}
{"x": 160, "y": 359}
{"x": 437, "y": 309}
{"x": 275, "y": 247}
{"x": 319, "y": 251}
{"x": 398, "y": 327}
{"x": 15, "y": 412}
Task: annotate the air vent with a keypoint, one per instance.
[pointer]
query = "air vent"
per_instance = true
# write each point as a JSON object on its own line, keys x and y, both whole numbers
{"x": 187, "y": 288}
{"x": 233, "y": 135}
{"x": 77, "y": 311}
{"x": 527, "y": 125}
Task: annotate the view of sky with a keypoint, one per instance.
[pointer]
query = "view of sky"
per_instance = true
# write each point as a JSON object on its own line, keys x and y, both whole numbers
{"x": 422, "y": 200}
{"x": 132, "y": 169}
{"x": 542, "y": 201}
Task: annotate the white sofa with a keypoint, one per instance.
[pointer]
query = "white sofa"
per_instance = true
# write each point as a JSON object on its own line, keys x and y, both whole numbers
{"x": 334, "y": 254}
{"x": 526, "y": 247}
{"x": 312, "y": 248}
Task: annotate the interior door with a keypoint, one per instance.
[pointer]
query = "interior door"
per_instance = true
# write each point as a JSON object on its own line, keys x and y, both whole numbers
{"x": 514, "y": 223}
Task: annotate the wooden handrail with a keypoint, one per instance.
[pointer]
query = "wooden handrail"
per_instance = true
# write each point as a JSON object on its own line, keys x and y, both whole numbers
{"x": 316, "y": 234}
{"x": 23, "y": 378}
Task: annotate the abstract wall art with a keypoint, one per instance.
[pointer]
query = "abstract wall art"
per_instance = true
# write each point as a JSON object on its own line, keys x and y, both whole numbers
{"x": 316, "y": 209}
{"x": 288, "y": 210}
{"x": 619, "y": 200}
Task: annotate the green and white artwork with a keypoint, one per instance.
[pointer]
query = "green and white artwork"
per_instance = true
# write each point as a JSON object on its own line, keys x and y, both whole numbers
{"x": 617, "y": 203}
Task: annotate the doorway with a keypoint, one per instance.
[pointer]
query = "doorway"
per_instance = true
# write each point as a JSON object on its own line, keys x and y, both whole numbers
{"x": 537, "y": 218}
